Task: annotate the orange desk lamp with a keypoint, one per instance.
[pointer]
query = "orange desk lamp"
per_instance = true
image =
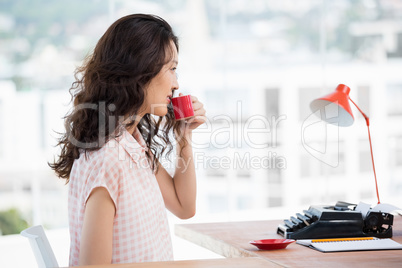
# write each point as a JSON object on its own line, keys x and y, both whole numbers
{"x": 337, "y": 106}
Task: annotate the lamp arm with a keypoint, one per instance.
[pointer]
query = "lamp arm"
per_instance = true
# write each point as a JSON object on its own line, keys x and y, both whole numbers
{"x": 371, "y": 148}
{"x": 364, "y": 115}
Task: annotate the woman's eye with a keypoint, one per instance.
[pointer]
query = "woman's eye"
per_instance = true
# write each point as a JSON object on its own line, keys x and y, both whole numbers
{"x": 174, "y": 69}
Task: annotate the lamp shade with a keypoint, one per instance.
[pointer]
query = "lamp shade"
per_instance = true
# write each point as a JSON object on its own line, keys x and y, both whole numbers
{"x": 335, "y": 108}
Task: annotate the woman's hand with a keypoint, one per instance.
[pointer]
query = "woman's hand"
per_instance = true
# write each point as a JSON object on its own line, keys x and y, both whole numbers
{"x": 199, "y": 116}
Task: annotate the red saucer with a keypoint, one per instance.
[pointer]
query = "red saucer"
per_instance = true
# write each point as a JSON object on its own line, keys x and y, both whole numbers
{"x": 269, "y": 244}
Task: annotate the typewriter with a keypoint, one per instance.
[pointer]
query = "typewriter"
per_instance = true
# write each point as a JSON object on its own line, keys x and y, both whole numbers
{"x": 339, "y": 221}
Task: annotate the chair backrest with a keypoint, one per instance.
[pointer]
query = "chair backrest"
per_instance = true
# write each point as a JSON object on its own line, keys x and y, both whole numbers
{"x": 40, "y": 246}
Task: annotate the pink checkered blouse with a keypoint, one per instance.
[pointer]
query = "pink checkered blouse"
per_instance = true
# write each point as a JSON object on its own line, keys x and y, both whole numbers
{"x": 140, "y": 227}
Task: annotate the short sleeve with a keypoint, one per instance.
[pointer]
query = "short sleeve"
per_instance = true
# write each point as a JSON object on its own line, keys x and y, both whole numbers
{"x": 105, "y": 173}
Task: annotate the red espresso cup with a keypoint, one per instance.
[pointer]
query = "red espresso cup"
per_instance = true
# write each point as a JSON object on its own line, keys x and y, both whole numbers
{"x": 182, "y": 107}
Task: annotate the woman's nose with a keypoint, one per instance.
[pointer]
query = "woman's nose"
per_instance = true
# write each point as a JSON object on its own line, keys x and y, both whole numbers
{"x": 175, "y": 85}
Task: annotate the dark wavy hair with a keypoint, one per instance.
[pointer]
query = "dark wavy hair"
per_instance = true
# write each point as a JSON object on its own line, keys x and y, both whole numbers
{"x": 111, "y": 84}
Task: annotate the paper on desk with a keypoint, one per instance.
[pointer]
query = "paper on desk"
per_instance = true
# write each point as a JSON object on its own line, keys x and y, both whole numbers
{"x": 350, "y": 244}
{"x": 364, "y": 208}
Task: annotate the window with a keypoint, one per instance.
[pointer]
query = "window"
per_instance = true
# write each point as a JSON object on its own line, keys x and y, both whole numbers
{"x": 244, "y": 202}
{"x": 234, "y": 103}
{"x": 336, "y": 157}
{"x": 365, "y": 163}
{"x": 274, "y": 175}
{"x": 363, "y": 100}
{"x": 272, "y": 102}
{"x": 397, "y": 51}
{"x": 394, "y": 96}
{"x": 307, "y": 95}
{"x": 395, "y": 151}
{"x": 275, "y": 201}
{"x": 2, "y": 129}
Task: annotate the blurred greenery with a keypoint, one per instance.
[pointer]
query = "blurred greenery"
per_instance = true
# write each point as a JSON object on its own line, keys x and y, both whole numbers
{"x": 39, "y": 20}
{"x": 36, "y": 17}
{"x": 36, "y": 24}
{"x": 303, "y": 29}
{"x": 12, "y": 222}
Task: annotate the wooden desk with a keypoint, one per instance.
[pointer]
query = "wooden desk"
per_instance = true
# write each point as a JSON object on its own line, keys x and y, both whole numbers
{"x": 231, "y": 239}
{"x": 217, "y": 263}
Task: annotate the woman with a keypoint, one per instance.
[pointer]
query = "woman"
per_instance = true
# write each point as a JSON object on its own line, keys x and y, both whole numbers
{"x": 118, "y": 190}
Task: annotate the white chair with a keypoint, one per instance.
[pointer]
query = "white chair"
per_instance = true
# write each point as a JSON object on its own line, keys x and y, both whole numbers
{"x": 40, "y": 246}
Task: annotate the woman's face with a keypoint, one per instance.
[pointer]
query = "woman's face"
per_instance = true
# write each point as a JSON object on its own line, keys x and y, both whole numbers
{"x": 160, "y": 89}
